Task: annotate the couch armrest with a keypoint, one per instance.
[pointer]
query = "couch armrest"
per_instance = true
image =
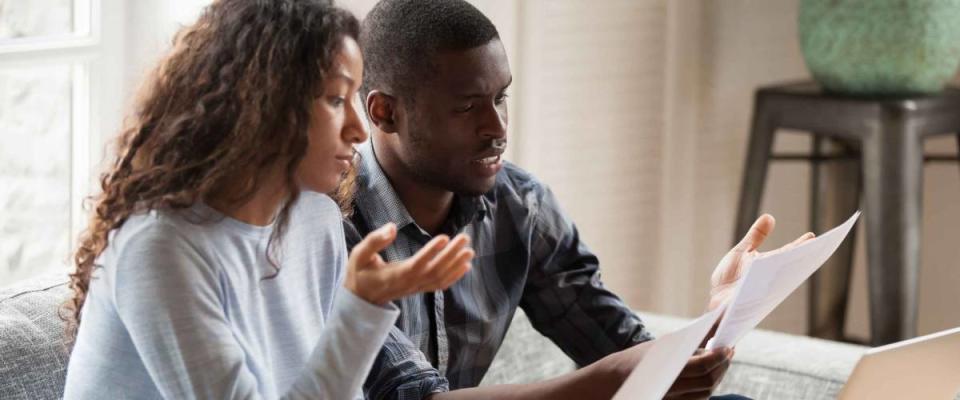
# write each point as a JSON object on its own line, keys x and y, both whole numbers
{"x": 33, "y": 355}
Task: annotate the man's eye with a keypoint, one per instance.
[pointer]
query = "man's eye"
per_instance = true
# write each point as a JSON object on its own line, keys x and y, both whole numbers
{"x": 501, "y": 98}
{"x": 336, "y": 101}
{"x": 465, "y": 108}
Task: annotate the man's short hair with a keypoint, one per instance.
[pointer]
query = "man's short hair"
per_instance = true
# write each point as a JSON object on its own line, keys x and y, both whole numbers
{"x": 400, "y": 37}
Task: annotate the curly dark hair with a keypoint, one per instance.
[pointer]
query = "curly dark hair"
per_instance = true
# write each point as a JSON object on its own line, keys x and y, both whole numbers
{"x": 230, "y": 100}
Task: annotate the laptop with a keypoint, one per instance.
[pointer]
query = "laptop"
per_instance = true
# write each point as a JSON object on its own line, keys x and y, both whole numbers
{"x": 927, "y": 367}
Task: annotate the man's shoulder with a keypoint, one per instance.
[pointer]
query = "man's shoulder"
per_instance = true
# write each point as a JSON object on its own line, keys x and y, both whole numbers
{"x": 522, "y": 195}
{"x": 513, "y": 181}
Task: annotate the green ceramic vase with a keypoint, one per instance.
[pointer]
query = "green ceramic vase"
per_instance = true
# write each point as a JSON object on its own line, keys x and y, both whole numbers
{"x": 881, "y": 47}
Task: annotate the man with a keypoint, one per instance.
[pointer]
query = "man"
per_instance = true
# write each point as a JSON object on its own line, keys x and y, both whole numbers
{"x": 435, "y": 82}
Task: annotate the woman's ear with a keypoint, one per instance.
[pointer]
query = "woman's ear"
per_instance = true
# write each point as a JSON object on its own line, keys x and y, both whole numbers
{"x": 381, "y": 109}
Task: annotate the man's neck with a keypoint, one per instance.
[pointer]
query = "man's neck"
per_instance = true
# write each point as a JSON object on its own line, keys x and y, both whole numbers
{"x": 428, "y": 206}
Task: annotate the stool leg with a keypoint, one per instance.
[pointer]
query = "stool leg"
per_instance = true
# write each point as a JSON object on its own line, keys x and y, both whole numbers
{"x": 835, "y": 196}
{"x": 755, "y": 170}
{"x": 893, "y": 179}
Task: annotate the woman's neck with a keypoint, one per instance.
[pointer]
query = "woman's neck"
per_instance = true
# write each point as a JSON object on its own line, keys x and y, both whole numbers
{"x": 260, "y": 208}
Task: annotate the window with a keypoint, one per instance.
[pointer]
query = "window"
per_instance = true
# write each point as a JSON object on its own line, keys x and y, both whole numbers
{"x": 53, "y": 59}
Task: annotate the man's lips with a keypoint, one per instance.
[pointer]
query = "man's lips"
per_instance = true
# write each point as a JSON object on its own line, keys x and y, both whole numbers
{"x": 489, "y": 158}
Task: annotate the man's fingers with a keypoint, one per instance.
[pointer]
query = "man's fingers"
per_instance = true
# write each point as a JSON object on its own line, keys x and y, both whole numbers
{"x": 703, "y": 364}
{"x": 758, "y": 233}
{"x": 798, "y": 241}
{"x": 692, "y": 385}
{"x": 701, "y": 376}
{"x": 374, "y": 242}
{"x": 803, "y": 238}
{"x": 701, "y": 395}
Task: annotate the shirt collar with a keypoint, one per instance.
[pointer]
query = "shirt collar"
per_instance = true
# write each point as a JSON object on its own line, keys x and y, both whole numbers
{"x": 380, "y": 203}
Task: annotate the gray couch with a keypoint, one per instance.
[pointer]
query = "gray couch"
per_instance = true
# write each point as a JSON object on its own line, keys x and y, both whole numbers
{"x": 768, "y": 365}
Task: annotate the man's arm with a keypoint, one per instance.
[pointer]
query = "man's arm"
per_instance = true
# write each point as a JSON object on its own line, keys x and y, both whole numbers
{"x": 567, "y": 302}
{"x": 602, "y": 379}
{"x": 402, "y": 372}
{"x": 595, "y": 381}
{"x": 564, "y": 296}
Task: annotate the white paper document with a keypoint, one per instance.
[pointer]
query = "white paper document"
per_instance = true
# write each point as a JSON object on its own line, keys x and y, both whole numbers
{"x": 664, "y": 360}
{"x": 770, "y": 278}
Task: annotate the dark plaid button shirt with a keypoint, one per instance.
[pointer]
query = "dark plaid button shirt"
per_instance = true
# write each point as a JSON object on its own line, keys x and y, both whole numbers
{"x": 528, "y": 255}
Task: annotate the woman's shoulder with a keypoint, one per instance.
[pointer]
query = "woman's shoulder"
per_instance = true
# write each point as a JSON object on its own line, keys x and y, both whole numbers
{"x": 318, "y": 212}
{"x": 167, "y": 226}
{"x": 161, "y": 224}
{"x": 156, "y": 236}
{"x": 317, "y": 204}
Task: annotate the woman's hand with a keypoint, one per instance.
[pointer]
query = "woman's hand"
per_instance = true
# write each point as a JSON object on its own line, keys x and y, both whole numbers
{"x": 439, "y": 264}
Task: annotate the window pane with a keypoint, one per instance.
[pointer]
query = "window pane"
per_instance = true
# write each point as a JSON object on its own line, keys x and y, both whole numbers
{"x": 35, "y": 174}
{"x": 34, "y": 18}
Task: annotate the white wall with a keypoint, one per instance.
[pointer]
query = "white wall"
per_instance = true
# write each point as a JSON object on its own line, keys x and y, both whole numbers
{"x": 636, "y": 113}
{"x": 149, "y": 33}
{"x": 748, "y": 43}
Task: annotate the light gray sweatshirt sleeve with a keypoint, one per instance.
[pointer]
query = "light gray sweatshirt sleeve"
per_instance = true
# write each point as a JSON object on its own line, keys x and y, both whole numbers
{"x": 167, "y": 296}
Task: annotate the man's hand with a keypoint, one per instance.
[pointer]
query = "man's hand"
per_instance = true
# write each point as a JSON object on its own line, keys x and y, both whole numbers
{"x": 619, "y": 365}
{"x": 701, "y": 376}
{"x": 439, "y": 264}
{"x": 731, "y": 267}
{"x": 697, "y": 380}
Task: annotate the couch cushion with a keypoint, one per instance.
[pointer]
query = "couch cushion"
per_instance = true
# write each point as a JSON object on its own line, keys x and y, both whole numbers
{"x": 768, "y": 365}
{"x": 526, "y": 356}
{"x": 33, "y": 356}
{"x": 772, "y": 365}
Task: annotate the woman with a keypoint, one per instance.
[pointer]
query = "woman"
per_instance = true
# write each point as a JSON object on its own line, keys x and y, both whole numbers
{"x": 213, "y": 266}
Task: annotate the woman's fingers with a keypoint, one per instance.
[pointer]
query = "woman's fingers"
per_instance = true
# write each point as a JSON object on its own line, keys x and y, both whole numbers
{"x": 363, "y": 253}
{"x": 427, "y": 253}
{"x": 452, "y": 273}
{"x": 448, "y": 254}
{"x": 446, "y": 267}
{"x": 439, "y": 264}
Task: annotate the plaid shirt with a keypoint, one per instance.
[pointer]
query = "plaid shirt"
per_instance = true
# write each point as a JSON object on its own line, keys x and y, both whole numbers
{"x": 528, "y": 254}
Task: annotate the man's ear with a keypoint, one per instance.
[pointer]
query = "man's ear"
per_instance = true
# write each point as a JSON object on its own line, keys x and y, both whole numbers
{"x": 382, "y": 111}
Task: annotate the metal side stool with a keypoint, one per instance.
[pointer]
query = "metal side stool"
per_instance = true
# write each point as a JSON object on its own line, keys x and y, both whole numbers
{"x": 881, "y": 157}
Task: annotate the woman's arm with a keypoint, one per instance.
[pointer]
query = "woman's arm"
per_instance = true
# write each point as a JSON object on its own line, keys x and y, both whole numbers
{"x": 168, "y": 297}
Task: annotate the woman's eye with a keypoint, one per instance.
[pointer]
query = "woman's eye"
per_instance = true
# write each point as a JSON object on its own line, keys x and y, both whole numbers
{"x": 464, "y": 108}
{"x": 336, "y": 101}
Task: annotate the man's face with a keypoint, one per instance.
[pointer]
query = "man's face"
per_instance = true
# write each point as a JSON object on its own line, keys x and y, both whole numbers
{"x": 455, "y": 129}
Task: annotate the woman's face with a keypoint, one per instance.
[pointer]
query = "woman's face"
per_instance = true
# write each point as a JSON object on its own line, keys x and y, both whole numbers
{"x": 336, "y": 122}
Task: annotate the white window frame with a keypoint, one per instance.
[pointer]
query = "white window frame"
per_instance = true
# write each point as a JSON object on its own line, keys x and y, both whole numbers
{"x": 95, "y": 50}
